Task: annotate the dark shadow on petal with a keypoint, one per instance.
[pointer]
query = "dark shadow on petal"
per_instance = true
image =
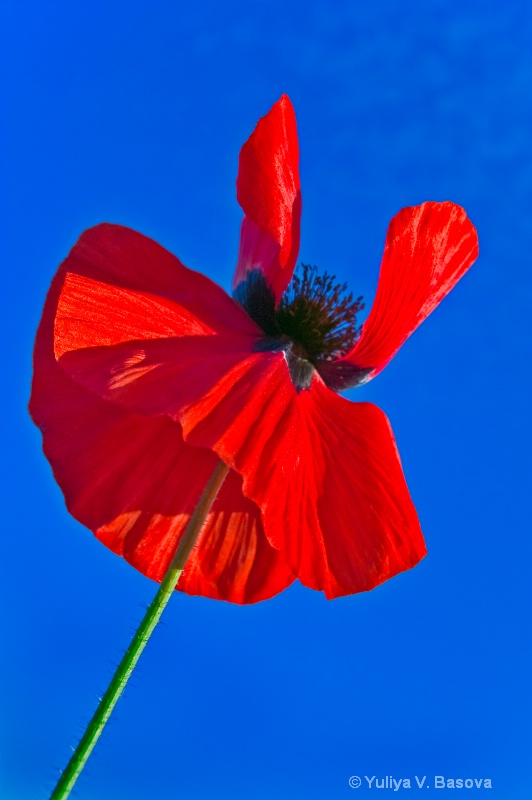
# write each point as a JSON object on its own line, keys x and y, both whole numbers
{"x": 301, "y": 370}
{"x": 256, "y": 296}
{"x": 341, "y": 375}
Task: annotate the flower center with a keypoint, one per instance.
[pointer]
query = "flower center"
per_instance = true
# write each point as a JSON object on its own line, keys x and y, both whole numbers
{"x": 314, "y": 324}
{"x": 318, "y": 316}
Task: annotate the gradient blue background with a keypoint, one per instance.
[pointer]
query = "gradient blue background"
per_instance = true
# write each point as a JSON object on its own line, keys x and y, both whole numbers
{"x": 134, "y": 113}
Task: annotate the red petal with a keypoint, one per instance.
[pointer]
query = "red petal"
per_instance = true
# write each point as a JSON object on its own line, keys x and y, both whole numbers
{"x": 325, "y": 473}
{"x": 163, "y": 376}
{"x": 148, "y": 351}
{"x": 124, "y": 286}
{"x": 134, "y": 482}
{"x": 269, "y": 193}
{"x": 428, "y": 249}
{"x": 234, "y": 559}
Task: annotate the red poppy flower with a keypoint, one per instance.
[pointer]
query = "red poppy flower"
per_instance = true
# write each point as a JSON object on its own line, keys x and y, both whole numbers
{"x": 147, "y": 372}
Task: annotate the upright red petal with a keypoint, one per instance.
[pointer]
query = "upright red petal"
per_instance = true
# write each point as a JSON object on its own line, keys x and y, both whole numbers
{"x": 428, "y": 249}
{"x": 133, "y": 481}
{"x": 268, "y": 191}
{"x": 325, "y": 473}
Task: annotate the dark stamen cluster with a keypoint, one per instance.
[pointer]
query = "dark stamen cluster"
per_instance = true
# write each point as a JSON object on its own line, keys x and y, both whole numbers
{"x": 314, "y": 325}
{"x": 318, "y": 315}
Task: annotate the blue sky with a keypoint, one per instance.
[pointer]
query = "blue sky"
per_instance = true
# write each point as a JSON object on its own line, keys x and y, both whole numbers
{"x": 135, "y": 114}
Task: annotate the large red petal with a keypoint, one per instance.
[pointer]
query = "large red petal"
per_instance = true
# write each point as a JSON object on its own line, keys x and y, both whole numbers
{"x": 134, "y": 482}
{"x": 124, "y": 285}
{"x": 164, "y": 376}
{"x": 269, "y": 193}
{"x": 116, "y": 336}
{"x": 428, "y": 249}
{"x": 325, "y": 473}
{"x": 153, "y": 376}
{"x": 234, "y": 560}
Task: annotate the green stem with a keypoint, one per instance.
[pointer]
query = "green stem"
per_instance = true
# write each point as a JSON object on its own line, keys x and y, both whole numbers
{"x": 146, "y": 627}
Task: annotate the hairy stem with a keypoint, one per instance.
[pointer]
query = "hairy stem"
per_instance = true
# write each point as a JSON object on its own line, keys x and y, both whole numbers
{"x": 127, "y": 665}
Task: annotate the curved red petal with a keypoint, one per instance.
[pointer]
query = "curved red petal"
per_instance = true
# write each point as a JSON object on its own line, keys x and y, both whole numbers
{"x": 121, "y": 285}
{"x": 269, "y": 193}
{"x": 150, "y": 351}
{"x": 428, "y": 249}
{"x": 164, "y": 376}
{"x": 325, "y": 473}
{"x": 234, "y": 559}
{"x": 133, "y": 481}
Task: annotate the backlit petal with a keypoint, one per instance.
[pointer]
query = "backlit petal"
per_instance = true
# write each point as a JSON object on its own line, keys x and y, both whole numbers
{"x": 133, "y": 481}
{"x": 163, "y": 376}
{"x": 269, "y": 193}
{"x": 121, "y": 285}
{"x": 325, "y": 473}
{"x": 152, "y": 352}
{"x": 428, "y": 249}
